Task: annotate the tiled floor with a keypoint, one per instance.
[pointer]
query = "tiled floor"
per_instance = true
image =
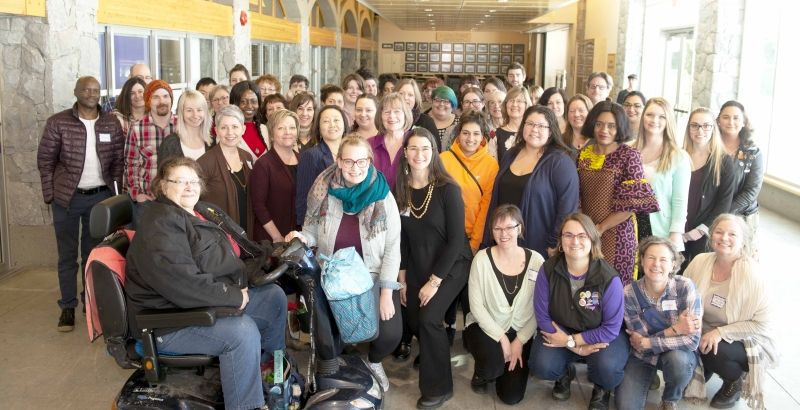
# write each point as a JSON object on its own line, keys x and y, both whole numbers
{"x": 42, "y": 368}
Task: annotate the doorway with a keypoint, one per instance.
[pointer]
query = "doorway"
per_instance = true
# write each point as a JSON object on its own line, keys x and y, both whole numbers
{"x": 678, "y": 73}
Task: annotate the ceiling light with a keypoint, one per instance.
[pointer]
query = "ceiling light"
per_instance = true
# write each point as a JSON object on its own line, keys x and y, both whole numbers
{"x": 492, "y": 11}
{"x": 428, "y": 9}
{"x": 502, "y": 1}
{"x": 485, "y": 15}
{"x": 430, "y": 15}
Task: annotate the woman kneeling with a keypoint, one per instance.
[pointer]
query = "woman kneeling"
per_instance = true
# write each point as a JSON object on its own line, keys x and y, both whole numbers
{"x": 500, "y": 327}
{"x": 663, "y": 314}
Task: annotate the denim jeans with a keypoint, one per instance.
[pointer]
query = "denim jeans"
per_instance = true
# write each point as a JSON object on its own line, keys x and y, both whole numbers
{"x": 605, "y": 366}
{"x": 238, "y": 341}
{"x": 72, "y": 224}
{"x": 677, "y": 366}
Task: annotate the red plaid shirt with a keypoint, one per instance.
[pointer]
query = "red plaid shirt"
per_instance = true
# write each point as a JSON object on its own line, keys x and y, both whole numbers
{"x": 141, "y": 158}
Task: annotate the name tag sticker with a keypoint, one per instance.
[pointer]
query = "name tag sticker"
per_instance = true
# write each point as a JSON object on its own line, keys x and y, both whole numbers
{"x": 105, "y": 137}
{"x": 717, "y": 301}
{"x": 669, "y": 305}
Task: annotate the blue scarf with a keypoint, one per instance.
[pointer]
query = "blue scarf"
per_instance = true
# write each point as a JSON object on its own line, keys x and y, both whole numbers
{"x": 357, "y": 197}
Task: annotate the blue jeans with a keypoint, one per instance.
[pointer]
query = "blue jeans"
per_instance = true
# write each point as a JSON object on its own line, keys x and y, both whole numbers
{"x": 677, "y": 366}
{"x": 238, "y": 341}
{"x": 72, "y": 224}
{"x": 605, "y": 366}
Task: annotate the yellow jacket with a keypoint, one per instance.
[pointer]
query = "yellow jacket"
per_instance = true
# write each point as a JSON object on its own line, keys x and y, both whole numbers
{"x": 484, "y": 167}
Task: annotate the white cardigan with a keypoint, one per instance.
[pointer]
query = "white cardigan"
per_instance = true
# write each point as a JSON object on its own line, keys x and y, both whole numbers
{"x": 488, "y": 303}
{"x": 381, "y": 253}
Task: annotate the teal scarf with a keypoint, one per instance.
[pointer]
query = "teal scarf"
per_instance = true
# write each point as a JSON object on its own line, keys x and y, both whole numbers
{"x": 357, "y": 197}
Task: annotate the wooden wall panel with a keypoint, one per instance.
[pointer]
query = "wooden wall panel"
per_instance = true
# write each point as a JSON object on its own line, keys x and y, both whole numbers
{"x": 322, "y": 37}
{"x": 196, "y": 16}
{"x": 349, "y": 41}
{"x": 274, "y": 29}
{"x": 23, "y": 7}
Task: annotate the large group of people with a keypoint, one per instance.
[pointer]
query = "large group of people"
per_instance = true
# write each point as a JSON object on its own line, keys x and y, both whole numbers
{"x": 567, "y": 228}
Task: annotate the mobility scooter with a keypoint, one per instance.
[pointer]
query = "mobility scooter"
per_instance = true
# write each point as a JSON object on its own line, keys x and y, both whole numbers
{"x": 169, "y": 381}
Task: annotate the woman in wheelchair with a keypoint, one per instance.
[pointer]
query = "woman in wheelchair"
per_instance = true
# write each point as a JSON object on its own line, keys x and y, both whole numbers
{"x": 189, "y": 254}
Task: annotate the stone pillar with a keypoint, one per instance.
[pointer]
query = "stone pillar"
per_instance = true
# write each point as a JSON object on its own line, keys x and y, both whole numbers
{"x": 579, "y": 73}
{"x": 241, "y": 36}
{"x": 73, "y": 47}
{"x": 630, "y": 36}
{"x": 718, "y": 52}
{"x": 303, "y": 64}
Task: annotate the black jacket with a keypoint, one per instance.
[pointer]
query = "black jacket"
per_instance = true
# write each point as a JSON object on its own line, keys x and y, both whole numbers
{"x": 749, "y": 175}
{"x": 177, "y": 260}
{"x": 578, "y": 317}
{"x": 715, "y": 199}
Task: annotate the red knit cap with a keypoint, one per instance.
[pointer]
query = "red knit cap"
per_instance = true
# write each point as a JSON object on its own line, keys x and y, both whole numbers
{"x": 151, "y": 88}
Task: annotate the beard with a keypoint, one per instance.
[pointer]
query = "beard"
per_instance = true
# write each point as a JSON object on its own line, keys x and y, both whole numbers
{"x": 162, "y": 110}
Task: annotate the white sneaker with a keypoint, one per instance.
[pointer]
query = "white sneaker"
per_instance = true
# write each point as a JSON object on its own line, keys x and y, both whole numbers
{"x": 377, "y": 369}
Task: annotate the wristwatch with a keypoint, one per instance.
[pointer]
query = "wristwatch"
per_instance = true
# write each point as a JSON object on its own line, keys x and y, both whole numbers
{"x": 435, "y": 282}
{"x": 571, "y": 342}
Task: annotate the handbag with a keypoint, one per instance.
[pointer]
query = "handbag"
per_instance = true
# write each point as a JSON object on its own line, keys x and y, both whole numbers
{"x": 655, "y": 320}
{"x": 349, "y": 288}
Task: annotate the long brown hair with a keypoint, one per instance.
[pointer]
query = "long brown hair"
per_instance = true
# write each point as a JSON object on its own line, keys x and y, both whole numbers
{"x": 437, "y": 174}
{"x": 569, "y": 134}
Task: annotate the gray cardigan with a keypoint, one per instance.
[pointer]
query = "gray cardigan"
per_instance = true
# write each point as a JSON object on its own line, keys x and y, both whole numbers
{"x": 381, "y": 254}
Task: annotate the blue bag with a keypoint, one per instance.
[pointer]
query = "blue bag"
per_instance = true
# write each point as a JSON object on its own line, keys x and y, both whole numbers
{"x": 350, "y": 290}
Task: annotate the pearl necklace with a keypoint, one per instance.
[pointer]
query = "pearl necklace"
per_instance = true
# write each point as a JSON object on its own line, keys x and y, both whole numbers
{"x": 424, "y": 206}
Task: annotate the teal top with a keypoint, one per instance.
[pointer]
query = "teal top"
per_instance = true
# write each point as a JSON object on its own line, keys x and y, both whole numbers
{"x": 672, "y": 192}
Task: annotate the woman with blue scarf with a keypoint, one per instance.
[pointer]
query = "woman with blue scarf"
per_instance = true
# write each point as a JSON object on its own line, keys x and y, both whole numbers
{"x": 349, "y": 205}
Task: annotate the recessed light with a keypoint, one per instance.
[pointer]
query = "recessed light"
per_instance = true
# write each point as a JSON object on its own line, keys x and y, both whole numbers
{"x": 428, "y": 9}
{"x": 492, "y": 11}
{"x": 485, "y": 15}
{"x": 430, "y": 14}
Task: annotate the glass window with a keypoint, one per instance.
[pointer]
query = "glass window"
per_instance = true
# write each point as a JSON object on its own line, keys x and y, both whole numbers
{"x": 255, "y": 60}
{"x": 206, "y": 57}
{"x": 170, "y": 60}
{"x": 128, "y": 50}
{"x": 266, "y": 60}
{"x": 101, "y": 41}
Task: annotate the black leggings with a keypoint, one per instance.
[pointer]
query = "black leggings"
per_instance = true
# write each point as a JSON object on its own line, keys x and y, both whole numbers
{"x": 729, "y": 362}
{"x": 489, "y": 364}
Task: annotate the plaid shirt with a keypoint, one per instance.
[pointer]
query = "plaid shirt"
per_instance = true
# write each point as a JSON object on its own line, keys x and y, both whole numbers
{"x": 141, "y": 153}
{"x": 682, "y": 292}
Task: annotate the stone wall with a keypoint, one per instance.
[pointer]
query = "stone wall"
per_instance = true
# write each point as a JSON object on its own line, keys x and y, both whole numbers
{"x": 630, "y": 38}
{"x": 718, "y": 53}
{"x": 26, "y": 102}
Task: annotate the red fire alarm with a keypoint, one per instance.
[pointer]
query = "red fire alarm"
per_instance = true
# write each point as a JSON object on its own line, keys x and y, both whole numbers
{"x": 243, "y": 18}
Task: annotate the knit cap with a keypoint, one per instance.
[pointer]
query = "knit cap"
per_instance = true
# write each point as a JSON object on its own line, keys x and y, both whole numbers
{"x": 151, "y": 88}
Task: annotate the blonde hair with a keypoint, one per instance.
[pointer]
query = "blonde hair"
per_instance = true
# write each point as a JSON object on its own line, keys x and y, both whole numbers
{"x": 512, "y": 94}
{"x": 670, "y": 145}
{"x": 393, "y": 99}
{"x": 714, "y": 143}
{"x": 278, "y": 116}
{"x": 354, "y": 140}
{"x": 569, "y": 134}
{"x": 205, "y": 127}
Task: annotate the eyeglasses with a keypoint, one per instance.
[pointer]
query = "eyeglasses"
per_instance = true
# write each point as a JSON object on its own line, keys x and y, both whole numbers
{"x": 507, "y": 230}
{"x": 416, "y": 149}
{"x": 361, "y": 163}
{"x": 634, "y": 106}
{"x": 184, "y": 183}
{"x": 695, "y": 126}
{"x": 221, "y": 99}
{"x": 571, "y": 236}
{"x": 599, "y": 125}
{"x": 600, "y": 87}
{"x": 518, "y": 101}
{"x": 472, "y": 102}
{"x": 537, "y": 126}
{"x": 441, "y": 101}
